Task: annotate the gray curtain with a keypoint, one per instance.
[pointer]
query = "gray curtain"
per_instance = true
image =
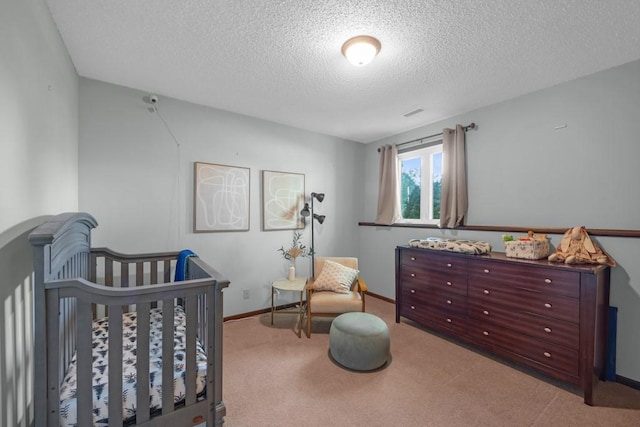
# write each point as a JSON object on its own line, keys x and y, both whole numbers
{"x": 453, "y": 200}
{"x": 389, "y": 188}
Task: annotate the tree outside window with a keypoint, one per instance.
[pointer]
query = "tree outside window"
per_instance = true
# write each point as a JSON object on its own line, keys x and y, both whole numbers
{"x": 421, "y": 184}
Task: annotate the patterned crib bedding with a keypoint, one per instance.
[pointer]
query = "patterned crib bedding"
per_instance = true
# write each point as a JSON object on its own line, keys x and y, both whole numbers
{"x": 68, "y": 401}
{"x": 475, "y": 247}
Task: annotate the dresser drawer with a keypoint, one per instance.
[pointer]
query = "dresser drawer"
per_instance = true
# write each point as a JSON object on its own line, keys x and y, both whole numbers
{"x": 441, "y": 321}
{"x": 548, "y": 305}
{"x": 552, "y": 330}
{"x": 434, "y": 299}
{"x": 420, "y": 277}
{"x": 434, "y": 261}
{"x": 541, "y": 279}
{"x": 560, "y": 358}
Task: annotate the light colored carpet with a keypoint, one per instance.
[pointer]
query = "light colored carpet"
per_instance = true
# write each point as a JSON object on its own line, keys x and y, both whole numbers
{"x": 274, "y": 378}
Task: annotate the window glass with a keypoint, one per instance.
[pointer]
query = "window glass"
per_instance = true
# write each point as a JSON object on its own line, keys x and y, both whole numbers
{"x": 421, "y": 184}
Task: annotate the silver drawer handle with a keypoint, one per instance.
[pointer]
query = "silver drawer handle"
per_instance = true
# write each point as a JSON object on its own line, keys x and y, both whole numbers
{"x": 547, "y": 354}
{"x": 413, "y": 307}
{"x": 413, "y": 274}
{"x": 547, "y": 330}
{"x": 547, "y": 280}
{"x": 413, "y": 258}
{"x": 448, "y": 283}
{"x": 413, "y": 291}
{"x": 486, "y": 292}
{"x": 546, "y": 304}
{"x": 486, "y": 270}
{"x": 485, "y": 333}
{"x": 448, "y": 320}
{"x": 485, "y": 312}
{"x": 448, "y": 264}
{"x": 448, "y": 301}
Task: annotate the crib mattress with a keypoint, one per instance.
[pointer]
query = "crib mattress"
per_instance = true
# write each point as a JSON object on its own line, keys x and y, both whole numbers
{"x": 68, "y": 401}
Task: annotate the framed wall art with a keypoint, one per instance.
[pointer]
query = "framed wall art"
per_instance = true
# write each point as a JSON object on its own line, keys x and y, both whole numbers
{"x": 221, "y": 198}
{"x": 282, "y": 200}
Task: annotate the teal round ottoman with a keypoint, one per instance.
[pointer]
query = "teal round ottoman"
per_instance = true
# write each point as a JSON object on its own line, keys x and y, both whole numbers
{"x": 359, "y": 341}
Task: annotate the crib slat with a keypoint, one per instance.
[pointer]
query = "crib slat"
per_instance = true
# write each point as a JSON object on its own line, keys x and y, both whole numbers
{"x": 167, "y": 271}
{"x": 108, "y": 272}
{"x": 63, "y": 320}
{"x": 124, "y": 274}
{"x": 139, "y": 274}
{"x": 115, "y": 365}
{"x": 167, "y": 356}
{"x": 124, "y": 279}
{"x": 93, "y": 267}
{"x": 108, "y": 277}
{"x": 84, "y": 365}
{"x": 154, "y": 278}
{"x": 154, "y": 272}
{"x": 142, "y": 364}
{"x": 53, "y": 375}
{"x": 202, "y": 321}
{"x": 80, "y": 271}
{"x": 67, "y": 307}
{"x": 214, "y": 348}
{"x": 191, "y": 308}
{"x": 71, "y": 330}
{"x": 85, "y": 270}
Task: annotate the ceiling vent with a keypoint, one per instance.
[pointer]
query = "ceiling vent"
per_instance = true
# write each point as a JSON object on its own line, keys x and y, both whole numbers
{"x": 413, "y": 113}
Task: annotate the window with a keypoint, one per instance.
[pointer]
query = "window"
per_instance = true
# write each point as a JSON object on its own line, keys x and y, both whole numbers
{"x": 421, "y": 184}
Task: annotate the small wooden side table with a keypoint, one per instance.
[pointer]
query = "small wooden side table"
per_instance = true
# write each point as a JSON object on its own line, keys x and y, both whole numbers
{"x": 296, "y": 285}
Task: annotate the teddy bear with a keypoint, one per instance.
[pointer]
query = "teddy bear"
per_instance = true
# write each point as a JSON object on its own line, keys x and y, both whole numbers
{"x": 576, "y": 247}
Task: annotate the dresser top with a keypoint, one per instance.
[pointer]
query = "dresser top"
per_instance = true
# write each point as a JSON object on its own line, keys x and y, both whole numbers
{"x": 501, "y": 257}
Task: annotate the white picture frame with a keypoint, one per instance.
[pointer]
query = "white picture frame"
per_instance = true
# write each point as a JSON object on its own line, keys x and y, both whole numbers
{"x": 282, "y": 200}
{"x": 221, "y": 198}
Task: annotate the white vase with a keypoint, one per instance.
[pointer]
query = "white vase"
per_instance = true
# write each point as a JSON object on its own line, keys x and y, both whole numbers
{"x": 292, "y": 271}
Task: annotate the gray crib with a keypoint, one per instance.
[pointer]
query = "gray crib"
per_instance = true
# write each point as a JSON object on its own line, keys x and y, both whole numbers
{"x": 105, "y": 322}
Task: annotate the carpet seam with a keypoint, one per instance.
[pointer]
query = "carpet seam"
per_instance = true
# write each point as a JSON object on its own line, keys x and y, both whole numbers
{"x": 555, "y": 397}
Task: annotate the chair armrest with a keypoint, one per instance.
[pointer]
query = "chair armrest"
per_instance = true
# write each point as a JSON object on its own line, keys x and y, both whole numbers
{"x": 361, "y": 285}
{"x": 309, "y": 285}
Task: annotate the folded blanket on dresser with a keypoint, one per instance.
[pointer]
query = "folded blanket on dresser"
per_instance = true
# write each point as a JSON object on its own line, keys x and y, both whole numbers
{"x": 453, "y": 245}
{"x": 68, "y": 401}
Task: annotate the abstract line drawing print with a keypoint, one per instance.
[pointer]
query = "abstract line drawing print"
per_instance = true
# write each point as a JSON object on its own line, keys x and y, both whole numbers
{"x": 221, "y": 201}
{"x": 283, "y": 199}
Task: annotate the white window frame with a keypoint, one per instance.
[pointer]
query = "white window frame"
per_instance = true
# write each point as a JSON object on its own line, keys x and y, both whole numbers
{"x": 426, "y": 179}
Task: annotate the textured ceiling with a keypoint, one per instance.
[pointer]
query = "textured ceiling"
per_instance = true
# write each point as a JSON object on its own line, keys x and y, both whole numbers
{"x": 280, "y": 60}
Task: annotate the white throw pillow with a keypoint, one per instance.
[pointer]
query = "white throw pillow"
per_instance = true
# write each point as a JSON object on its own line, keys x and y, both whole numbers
{"x": 335, "y": 277}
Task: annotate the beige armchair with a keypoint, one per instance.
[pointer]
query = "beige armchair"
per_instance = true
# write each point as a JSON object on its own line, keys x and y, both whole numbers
{"x": 324, "y": 303}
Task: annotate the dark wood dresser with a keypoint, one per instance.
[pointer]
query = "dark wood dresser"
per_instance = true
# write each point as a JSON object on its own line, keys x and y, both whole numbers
{"x": 549, "y": 317}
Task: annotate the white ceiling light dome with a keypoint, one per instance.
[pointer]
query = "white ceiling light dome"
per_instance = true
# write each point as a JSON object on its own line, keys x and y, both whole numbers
{"x": 361, "y": 50}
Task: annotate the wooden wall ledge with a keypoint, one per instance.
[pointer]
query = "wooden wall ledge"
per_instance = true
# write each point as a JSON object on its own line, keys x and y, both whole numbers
{"x": 514, "y": 229}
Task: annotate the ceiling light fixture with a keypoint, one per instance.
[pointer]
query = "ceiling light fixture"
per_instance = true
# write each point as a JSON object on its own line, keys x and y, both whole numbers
{"x": 361, "y": 50}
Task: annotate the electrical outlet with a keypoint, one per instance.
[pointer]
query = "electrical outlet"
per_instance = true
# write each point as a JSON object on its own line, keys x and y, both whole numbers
{"x": 245, "y": 294}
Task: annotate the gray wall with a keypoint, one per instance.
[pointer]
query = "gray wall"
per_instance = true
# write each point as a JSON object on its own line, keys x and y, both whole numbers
{"x": 139, "y": 185}
{"x": 38, "y": 176}
{"x": 524, "y": 172}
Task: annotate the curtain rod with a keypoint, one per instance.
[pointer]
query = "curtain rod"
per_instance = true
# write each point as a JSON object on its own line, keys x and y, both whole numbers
{"x": 471, "y": 125}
